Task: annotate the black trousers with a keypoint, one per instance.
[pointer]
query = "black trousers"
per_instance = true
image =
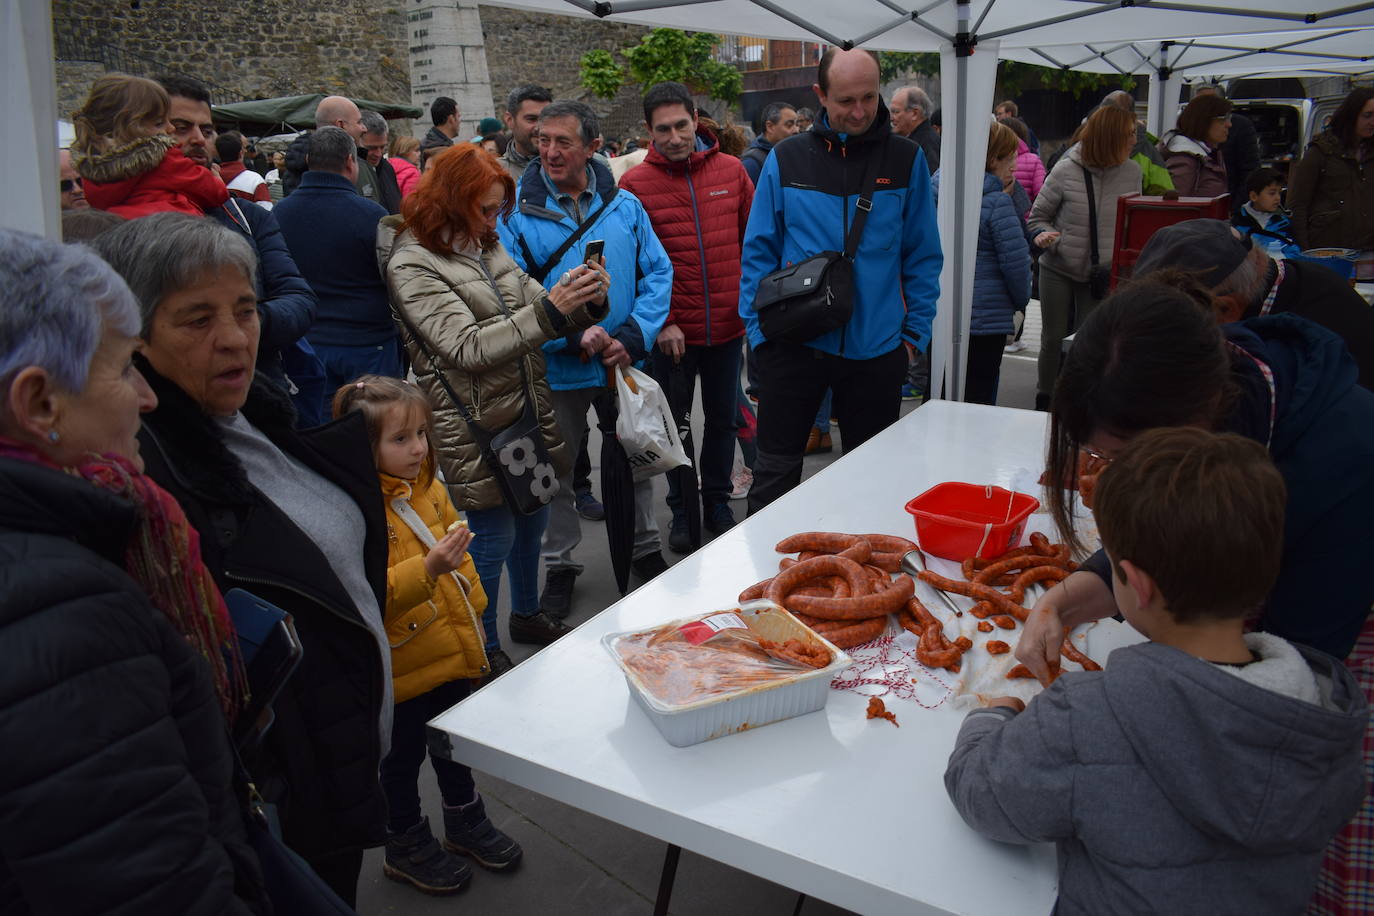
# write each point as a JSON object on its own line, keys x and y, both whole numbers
{"x": 984, "y": 369}
{"x": 792, "y": 381}
{"x": 718, "y": 368}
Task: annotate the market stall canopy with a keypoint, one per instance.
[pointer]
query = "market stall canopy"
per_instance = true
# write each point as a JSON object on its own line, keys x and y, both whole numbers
{"x": 295, "y": 111}
{"x": 1349, "y": 50}
{"x": 889, "y": 25}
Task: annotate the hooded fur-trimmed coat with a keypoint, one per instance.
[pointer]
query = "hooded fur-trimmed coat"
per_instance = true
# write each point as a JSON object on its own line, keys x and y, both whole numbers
{"x": 147, "y": 176}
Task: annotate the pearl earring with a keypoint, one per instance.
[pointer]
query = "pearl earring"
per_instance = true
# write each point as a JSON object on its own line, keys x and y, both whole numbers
{"x": 53, "y": 436}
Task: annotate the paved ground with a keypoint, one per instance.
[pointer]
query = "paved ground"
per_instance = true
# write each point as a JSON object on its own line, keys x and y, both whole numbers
{"x": 576, "y": 863}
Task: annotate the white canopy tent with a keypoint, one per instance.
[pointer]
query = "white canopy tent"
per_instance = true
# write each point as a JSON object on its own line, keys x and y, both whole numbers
{"x": 968, "y": 37}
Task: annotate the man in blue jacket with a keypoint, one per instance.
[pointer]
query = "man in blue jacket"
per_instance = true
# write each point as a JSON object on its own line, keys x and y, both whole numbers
{"x": 779, "y": 122}
{"x": 564, "y": 189}
{"x": 331, "y": 230}
{"x": 286, "y": 304}
{"x": 806, "y": 199}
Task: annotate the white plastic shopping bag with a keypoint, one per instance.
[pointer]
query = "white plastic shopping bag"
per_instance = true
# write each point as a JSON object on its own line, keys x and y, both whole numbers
{"x": 646, "y": 427}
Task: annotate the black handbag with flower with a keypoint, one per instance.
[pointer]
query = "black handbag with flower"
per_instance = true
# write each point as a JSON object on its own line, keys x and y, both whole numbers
{"x": 516, "y": 455}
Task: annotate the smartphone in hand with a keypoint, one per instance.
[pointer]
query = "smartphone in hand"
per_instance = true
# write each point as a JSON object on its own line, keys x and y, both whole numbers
{"x": 592, "y": 253}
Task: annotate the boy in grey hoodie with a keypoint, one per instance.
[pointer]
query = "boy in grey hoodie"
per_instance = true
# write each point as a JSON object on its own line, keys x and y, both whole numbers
{"x": 1205, "y": 770}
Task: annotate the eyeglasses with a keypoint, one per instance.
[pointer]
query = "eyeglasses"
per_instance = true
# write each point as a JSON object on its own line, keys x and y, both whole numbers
{"x": 66, "y": 184}
{"x": 1094, "y": 453}
{"x": 1225, "y": 117}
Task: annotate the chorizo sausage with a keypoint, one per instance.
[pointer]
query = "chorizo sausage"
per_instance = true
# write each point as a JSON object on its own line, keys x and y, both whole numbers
{"x": 1072, "y": 653}
{"x": 1039, "y": 574}
{"x": 997, "y": 647}
{"x": 817, "y": 541}
{"x": 859, "y": 607}
{"x": 856, "y": 632}
{"x": 807, "y": 570}
{"x": 754, "y": 591}
{"x": 1005, "y": 622}
{"x": 984, "y": 627}
{"x": 1006, "y": 604}
{"x": 889, "y": 543}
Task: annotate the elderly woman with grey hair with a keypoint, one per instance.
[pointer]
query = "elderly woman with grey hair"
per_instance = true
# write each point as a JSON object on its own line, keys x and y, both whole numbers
{"x": 294, "y": 517}
{"x": 120, "y": 674}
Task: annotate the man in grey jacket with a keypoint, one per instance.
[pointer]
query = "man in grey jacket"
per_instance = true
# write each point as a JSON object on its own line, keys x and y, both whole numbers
{"x": 1205, "y": 770}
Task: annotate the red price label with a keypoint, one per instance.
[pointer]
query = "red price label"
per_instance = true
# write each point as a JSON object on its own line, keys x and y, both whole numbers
{"x": 698, "y": 631}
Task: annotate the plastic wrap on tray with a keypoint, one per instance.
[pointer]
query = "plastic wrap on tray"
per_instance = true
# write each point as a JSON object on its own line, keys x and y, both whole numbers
{"x": 677, "y": 666}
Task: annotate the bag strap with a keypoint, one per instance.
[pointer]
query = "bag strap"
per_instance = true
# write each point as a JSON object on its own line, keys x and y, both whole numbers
{"x": 864, "y": 205}
{"x": 542, "y": 271}
{"x": 1092, "y": 212}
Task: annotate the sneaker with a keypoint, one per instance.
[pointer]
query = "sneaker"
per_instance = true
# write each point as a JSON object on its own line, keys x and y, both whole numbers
{"x": 719, "y": 519}
{"x": 679, "y": 540}
{"x": 818, "y": 443}
{"x": 649, "y": 565}
{"x": 538, "y": 629}
{"x": 417, "y": 859}
{"x": 911, "y": 393}
{"x": 1016, "y": 346}
{"x": 469, "y": 832}
{"x": 588, "y": 506}
{"x": 740, "y": 482}
{"x": 556, "y": 601}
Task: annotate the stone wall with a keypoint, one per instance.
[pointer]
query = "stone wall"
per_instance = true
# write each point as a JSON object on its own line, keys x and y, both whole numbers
{"x": 258, "y": 49}
{"x": 545, "y": 49}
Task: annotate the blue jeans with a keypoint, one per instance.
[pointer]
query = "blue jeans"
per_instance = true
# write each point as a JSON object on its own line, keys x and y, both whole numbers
{"x": 503, "y": 538}
{"x": 344, "y": 364}
{"x": 825, "y": 413}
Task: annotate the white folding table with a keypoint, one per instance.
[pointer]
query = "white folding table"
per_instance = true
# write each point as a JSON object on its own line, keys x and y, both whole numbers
{"x": 850, "y": 810}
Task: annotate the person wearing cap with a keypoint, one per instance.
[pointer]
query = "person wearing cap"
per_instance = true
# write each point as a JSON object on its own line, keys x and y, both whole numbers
{"x": 1247, "y": 283}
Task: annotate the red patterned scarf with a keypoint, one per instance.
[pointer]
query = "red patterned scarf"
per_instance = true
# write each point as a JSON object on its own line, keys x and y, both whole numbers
{"x": 163, "y": 557}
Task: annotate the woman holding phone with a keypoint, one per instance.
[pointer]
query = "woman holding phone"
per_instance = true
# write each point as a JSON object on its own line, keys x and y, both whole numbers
{"x": 474, "y": 324}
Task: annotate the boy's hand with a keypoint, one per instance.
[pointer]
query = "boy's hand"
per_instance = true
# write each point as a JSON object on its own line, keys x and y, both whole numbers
{"x": 447, "y": 555}
{"x": 1012, "y": 703}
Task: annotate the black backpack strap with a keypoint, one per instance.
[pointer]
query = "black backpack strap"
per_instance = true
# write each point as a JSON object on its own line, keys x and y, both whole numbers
{"x": 542, "y": 270}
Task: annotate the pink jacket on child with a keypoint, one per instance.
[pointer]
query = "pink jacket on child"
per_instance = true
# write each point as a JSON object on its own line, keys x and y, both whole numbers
{"x": 1030, "y": 171}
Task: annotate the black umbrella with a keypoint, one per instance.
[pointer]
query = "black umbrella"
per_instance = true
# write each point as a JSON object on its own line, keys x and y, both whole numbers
{"x": 685, "y": 477}
{"x": 617, "y": 494}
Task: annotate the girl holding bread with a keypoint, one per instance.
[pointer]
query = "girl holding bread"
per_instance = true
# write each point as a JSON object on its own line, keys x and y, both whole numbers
{"x": 434, "y": 604}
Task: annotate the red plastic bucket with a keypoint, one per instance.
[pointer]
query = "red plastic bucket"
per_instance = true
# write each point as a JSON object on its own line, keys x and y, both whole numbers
{"x": 960, "y": 520}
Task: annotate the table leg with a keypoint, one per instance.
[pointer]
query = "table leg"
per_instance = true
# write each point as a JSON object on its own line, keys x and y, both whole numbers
{"x": 665, "y": 880}
{"x": 801, "y": 898}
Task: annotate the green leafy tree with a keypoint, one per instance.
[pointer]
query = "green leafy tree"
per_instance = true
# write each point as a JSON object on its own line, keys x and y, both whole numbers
{"x": 894, "y": 64}
{"x": 601, "y": 74}
{"x": 665, "y": 54}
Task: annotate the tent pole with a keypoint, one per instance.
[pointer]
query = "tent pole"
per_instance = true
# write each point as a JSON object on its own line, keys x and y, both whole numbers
{"x": 971, "y": 77}
{"x": 28, "y": 100}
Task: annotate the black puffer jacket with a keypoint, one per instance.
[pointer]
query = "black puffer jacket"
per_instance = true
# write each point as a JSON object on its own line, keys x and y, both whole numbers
{"x": 321, "y": 756}
{"x": 117, "y": 793}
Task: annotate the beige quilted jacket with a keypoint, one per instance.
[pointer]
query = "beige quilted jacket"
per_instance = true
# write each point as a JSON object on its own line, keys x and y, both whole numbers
{"x": 479, "y": 346}
{"x": 1062, "y": 206}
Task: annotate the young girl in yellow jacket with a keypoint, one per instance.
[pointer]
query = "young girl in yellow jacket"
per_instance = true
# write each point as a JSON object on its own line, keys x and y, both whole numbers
{"x": 434, "y": 604}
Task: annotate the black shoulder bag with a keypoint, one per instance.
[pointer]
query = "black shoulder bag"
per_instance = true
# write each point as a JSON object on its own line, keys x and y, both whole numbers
{"x": 1099, "y": 277}
{"x": 802, "y": 301}
{"x": 516, "y": 455}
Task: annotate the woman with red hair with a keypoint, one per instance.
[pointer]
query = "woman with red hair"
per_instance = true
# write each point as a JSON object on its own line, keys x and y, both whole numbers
{"x": 474, "y": 324}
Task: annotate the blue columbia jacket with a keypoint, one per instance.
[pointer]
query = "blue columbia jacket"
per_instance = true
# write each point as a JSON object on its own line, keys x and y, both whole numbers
{"x": 1002, "y": 277}
{"x": 804, "y": 203}
{"x": 641, "y": 274}
{"x": 1322, "y": 442}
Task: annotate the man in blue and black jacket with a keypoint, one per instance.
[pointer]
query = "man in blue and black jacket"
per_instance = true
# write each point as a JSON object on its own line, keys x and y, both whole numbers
{"x": 804, "y": 204}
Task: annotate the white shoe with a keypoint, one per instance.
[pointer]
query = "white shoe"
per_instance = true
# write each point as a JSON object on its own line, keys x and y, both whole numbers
{"x": 741, "y": 480}
{"x": 1016, "y": 346}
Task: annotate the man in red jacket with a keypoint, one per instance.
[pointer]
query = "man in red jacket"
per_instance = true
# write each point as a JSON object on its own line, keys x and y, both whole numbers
{"x": 698, "y": 201}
